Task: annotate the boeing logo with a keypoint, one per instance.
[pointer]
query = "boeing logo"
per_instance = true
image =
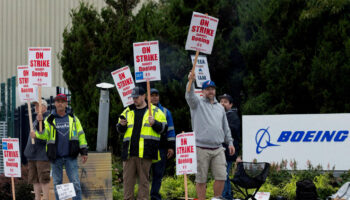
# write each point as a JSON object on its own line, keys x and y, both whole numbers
{"x": 262, "y": 139}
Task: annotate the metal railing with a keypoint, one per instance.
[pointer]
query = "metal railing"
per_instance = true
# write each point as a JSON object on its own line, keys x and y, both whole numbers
{"x": 3, "y": 131}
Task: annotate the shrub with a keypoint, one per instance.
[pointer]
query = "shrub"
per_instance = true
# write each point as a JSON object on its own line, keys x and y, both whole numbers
{"x": 173, "y": 187}
{"x": 22, "y": 188}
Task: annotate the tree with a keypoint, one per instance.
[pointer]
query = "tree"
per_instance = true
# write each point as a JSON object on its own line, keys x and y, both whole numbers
{"x": 97, "y": 44}
{"x": 296, "y": 53}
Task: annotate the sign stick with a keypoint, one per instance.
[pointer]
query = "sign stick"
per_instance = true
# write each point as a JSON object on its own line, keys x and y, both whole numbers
{"x": 30, "y": 120}
{"x": 192, "y": 71}
{"x": 149, "y": 98}
{"x": 185, "y": 182}
{"x": 40, "y": 122}
{"x": 13, "y": 188}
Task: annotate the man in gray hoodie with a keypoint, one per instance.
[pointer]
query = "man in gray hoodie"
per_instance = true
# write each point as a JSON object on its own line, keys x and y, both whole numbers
{"x": 211, "y": 128}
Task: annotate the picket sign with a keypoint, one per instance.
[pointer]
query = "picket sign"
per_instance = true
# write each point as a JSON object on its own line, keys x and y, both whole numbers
{"x": 186, "y": 157}
{"x": 124, "y": 83}
{"x": 201, "y": 70}
{"x": 12, "y": 160}
{"x": 200, "y": 37}
{"x": 65, "y": 191}
{"x": 27, "y": 93}
{"x": 147, "y": 67}
{"x": 39, "y": 62}
{"x": 262, "y": 196}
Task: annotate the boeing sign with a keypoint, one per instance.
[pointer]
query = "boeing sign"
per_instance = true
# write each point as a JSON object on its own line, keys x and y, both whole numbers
{"x": 322, "y": 139}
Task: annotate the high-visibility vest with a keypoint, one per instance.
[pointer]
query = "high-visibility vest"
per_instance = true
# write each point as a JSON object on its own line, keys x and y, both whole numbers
{"x": 149, "y": 139}
{"x": 77, "y": 138}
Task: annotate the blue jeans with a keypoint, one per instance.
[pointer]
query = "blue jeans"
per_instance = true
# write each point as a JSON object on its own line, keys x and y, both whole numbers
{"x": 71, "y": 165}
{"x": 158, "y": 170}
{"x": 227, "y": 193}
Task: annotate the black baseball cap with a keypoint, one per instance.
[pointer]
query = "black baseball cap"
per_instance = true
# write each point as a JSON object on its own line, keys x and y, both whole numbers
{"x": 154, "y": 91}
{"x": 226, "y": 96}
{"x": 137, "y": 91}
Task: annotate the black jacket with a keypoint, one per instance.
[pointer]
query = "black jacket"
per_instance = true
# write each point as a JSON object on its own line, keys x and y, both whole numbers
{"x": 234, "y": 123}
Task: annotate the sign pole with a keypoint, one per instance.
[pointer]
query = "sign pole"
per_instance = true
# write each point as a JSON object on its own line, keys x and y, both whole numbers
{"x": 13, "y": 188}
{"x": 192, "y": 71}
{"x": 40, "y": 122}
{"x": 30, "y": 120}
{"x": 149, "y": 98}
{"x": 185, "y": 182}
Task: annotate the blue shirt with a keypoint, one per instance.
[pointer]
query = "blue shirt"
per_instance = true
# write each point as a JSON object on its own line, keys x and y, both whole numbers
{"x": 170, "y": 136}
{"x": 62, "y": 135}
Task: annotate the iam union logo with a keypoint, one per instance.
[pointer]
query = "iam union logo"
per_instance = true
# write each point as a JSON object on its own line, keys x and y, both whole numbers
{"x": 263, "y": 140}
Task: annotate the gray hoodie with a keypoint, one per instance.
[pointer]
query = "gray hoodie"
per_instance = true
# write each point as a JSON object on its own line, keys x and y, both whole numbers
{"x": 209, "y": 121}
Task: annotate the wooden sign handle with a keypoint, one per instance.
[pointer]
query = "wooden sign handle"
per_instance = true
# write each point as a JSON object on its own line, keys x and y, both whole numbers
{"x": 149, "y": 98}
{"x": 30, "y": 120}
{"x": 186, "y": 190}
{"x": 40, "y": 122}
{"x": 192, "y": 71}
{"x": 13, "y": 188}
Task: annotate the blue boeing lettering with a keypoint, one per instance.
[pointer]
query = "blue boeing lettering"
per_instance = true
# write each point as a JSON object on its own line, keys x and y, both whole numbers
{"x": 313, "y": 136}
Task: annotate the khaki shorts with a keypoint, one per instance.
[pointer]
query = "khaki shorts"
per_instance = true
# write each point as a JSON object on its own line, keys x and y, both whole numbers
{"x": 38, "y": 171}
{"x": 215, "y": 159}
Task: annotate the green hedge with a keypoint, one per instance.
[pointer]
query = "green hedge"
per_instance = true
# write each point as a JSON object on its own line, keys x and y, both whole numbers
{"x": 280, "y": 182}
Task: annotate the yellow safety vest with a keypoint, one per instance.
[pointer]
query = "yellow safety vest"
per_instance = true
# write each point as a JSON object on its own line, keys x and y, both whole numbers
{"x": 149, "y": 139}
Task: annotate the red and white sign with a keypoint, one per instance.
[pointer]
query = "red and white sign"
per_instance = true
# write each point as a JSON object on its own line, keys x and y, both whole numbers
{"x": 262, "y": 195}
{"x": 198, "y": 92}
{"x": 125, "y": 84}
{"x": 12, "y": 158}
{"x": 40, "y": 66}
{"x": 186, "y": 157}
{"x": 202, "y": 33}
{"x": 201, "y": 70}
{"x": 26, "y": 92}
{"x": 146, "y": 61}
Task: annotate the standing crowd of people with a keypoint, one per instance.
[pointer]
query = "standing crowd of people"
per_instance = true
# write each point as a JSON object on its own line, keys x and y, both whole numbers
{"x": 148, "y": 142}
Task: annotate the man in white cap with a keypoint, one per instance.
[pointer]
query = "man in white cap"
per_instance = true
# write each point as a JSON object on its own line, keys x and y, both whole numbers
{"x": 38, "y": 163}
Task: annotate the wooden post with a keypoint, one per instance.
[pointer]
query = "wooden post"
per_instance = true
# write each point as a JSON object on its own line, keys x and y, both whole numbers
{"x": 185, "y": 182}
{"x": 149, "y": 98}
{"x": 40, "y": 122}
{"x": 30, "y": 120}
{"x": 192, "y": 71}
{"x": 13, "y": 188}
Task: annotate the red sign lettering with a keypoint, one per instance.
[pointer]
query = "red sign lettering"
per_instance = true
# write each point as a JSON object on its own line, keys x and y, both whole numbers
{"x": 121, "y": 76}
{"x": 204, "y": 22}
{"x": 39, "y": 55}
{"x": 146, "y": 50}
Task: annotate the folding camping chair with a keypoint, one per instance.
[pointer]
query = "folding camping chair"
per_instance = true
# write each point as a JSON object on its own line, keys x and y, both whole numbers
{"x": 250, "y": 175}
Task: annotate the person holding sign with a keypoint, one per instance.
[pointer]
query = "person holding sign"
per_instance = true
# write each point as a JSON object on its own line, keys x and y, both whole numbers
{"x": 142, "y": 133}
{"x": 65, "y": 140}
{"x": 38, "y": 163}
{"x": 166, "y": 148}
{"x": 211, "y": 128}
{"x": 235, "y": 123}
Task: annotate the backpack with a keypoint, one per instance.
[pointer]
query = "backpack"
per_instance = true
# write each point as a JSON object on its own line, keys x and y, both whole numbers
{"x": 306, "y": 190}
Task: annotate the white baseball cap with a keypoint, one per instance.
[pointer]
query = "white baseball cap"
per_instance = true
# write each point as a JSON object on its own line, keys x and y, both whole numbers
{"x": 43, "y": 102}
